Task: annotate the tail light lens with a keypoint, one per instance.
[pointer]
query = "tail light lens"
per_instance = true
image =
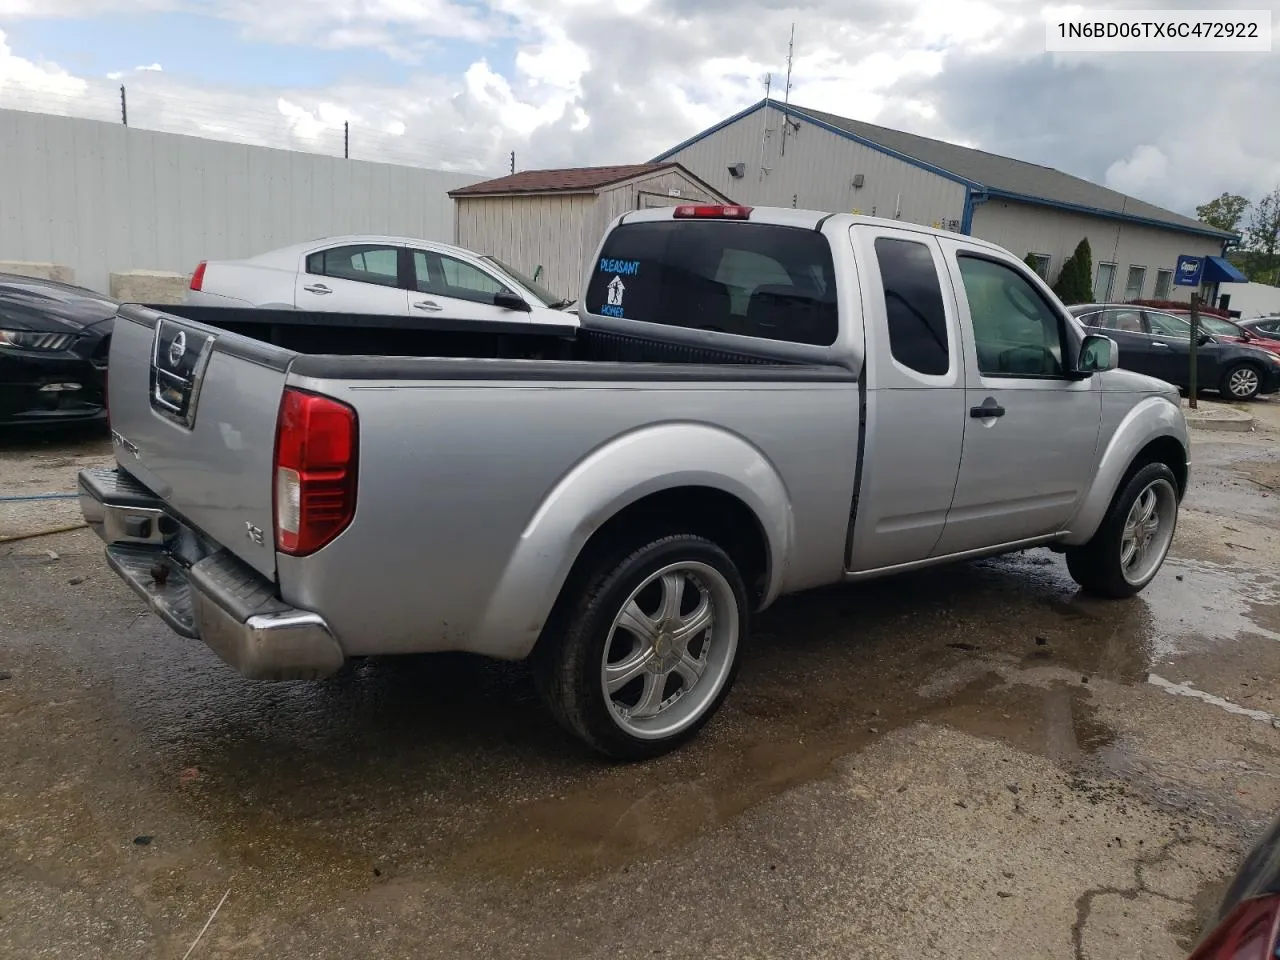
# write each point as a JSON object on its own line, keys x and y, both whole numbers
{"x": 316, "y": 447}
{"x": 197, "y": 277}
{"x": 1250, "y": 932}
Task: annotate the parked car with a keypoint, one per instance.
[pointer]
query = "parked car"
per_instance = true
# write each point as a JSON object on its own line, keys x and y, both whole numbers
{"x": 746, "y": 414}
{"x": 53, "y": 351}
{"x": 1247, "y": 923}
{"x": 1159, "y": 344}
{"x": 377, "y": 275}
{"x": 1268, "y": 328}
{"x": 1227, "y": 331}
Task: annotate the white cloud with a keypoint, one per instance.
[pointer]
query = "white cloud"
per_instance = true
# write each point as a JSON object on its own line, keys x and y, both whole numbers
{"x": 150, "y": 68}
{"x": 596, "y": 81}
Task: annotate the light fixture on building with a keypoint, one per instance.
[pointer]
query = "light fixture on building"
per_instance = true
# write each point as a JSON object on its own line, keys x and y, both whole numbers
{"x": 858, "y": 180}
{"x": 738, "y": 170}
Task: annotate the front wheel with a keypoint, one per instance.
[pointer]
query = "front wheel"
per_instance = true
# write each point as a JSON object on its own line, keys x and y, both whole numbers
{"x": 1134, "y": 538}
{"x": 1241, "y": 382}
{"x": 648, "y": 648}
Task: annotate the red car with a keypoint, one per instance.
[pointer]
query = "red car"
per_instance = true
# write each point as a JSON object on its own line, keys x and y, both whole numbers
{"x": 1247, "y": 924}
{"x": 1226, "y": 330}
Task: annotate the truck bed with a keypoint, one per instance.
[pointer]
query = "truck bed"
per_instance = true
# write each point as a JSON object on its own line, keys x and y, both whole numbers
{"x": 376, "y": 336}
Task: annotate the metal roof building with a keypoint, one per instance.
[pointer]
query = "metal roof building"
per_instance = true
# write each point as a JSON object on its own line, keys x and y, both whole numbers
{"x": 547, "y": 223}
{"x": 776, "y": 155}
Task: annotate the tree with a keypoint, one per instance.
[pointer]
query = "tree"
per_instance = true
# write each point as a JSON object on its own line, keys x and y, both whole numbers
{"x": 1075, "y": 280}
{"x": 1224, "y": 212}
{"x": 1262, "y": 239}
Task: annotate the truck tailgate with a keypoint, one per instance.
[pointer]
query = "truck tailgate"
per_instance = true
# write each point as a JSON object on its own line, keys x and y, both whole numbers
{"x": 193, "y": 417}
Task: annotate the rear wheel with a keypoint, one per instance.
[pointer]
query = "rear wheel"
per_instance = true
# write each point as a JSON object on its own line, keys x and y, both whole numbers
{"x": 646, "y": 649}
{"x": 1134, "y": 538}
{"x": 1241, "y": 382}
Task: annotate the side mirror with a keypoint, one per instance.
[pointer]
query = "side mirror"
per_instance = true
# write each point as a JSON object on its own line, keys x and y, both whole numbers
{"x": 1203, "y": 339}
{"x": 509, "y": 301}
{"x": 1098, "y": 354}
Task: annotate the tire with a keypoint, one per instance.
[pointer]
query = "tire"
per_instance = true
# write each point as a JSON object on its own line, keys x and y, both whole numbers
{"x": 1242, "y": 381}
{"x": 648, "y": 714}
{"x": 1100, "y": 566}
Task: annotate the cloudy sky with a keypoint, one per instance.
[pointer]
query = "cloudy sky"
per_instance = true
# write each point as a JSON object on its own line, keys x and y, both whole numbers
{"x": 459, "y": 83}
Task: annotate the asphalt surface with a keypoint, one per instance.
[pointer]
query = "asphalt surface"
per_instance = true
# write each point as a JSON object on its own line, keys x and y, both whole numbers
{"x": 974, "y": 762}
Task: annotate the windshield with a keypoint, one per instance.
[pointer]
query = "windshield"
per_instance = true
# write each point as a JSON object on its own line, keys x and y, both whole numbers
{"x": 548, "y": 298}
{"x": 1217, "y": 325}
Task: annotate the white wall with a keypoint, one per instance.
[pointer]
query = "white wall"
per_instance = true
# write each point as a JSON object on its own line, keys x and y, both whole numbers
{"x": 1025, "y": 228}
{"x": 818, "y": 170}
{"x": 1252, "y": 299}
{"x": 103, "y": 198}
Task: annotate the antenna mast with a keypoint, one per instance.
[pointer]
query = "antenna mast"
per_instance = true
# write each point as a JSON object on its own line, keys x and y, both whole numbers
{"x": 767, "y": 80}
{"x": 786, "y": 97}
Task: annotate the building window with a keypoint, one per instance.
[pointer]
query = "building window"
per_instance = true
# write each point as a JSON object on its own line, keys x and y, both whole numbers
{"x": 1103, "y": 281}
{"x": 1133, "y": 285}
{"x": 1164, "y": 284}
{"x": 1040, "y": 263}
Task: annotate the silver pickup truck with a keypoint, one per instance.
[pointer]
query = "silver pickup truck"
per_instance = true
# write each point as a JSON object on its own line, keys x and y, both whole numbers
{"x": 756, "y": 402}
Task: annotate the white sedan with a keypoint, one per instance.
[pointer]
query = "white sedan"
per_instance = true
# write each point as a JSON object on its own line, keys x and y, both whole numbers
{"x": 378, "y": 275}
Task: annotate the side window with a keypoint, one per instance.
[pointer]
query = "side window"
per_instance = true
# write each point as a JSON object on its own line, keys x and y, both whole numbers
{"x": 427, "y": 275}
{"x": 1163, "y": 325}
{"x": 913, "y": 305}
{"x": 364, "y": 263}
{"x": 759, "y": 280}
{"x": 1015, "y": 331}
{"x": 1126, "y": 321}
{"x": 466, "y": 282}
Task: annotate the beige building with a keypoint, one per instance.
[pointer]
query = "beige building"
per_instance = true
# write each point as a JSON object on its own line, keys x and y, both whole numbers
{"x": 548, "y": 223}
{"x": 771, "y": 155}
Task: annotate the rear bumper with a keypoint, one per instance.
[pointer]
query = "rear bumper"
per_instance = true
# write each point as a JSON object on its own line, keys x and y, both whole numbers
{"x": 201, "y": 590}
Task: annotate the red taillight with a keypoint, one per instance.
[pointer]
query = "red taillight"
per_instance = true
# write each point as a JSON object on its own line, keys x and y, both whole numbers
{"x": 197, "y": 277}
{"x": 693, "y": 211}
{"x": 1250, "y": 932}
{"x": 315, "y": 489}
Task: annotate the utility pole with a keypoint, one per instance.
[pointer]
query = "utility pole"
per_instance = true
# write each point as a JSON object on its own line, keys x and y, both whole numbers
{"x": 513, "y": 161}
{"x": 124, "y": 107}
{"x": 1195, "y": 334}
{"x": 346, "y": 139}
{"x": 786, "y": 97}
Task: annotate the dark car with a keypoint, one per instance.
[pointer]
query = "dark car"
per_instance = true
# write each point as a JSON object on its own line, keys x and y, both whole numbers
{"x": 54, "y": 339}
{"x": 1159, "y": 344}
{"x": 1247, "y": 924}
{"x": 1266, "y": 327}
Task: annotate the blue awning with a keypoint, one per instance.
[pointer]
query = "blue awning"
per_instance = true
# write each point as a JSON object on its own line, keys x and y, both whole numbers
{"x": 1222, "y": 270}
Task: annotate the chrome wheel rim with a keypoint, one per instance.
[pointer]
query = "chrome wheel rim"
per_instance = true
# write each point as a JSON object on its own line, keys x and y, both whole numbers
{"x": 670, "y": 650}
{"x": 1243, "y": 382}
{"x": 1148, "y": 531}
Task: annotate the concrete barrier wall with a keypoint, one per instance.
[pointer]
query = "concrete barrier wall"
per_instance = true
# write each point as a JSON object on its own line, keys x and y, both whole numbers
{"x": 148, "y": 286}
{"x": 42, "y": 271}
{"x": 103, "y": 198}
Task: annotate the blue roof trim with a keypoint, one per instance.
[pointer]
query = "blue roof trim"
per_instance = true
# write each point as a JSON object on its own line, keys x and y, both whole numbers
{"x": 1207, "y": 231}
{"x": 878, "y": 147}
{"x": 881, "y": 148}
{"x": 662, "y": 157}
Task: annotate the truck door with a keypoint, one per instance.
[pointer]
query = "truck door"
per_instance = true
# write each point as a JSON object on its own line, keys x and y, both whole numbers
{"x": 915, "y": 417}
{"x": 1031, "y": 428}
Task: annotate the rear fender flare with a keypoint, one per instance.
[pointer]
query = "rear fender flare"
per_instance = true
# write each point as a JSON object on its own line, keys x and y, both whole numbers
{"x": 1150, "y": 419}
{"x": 606, "y": 481}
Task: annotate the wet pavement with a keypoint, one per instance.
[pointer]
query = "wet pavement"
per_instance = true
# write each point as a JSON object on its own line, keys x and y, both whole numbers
{"x": 973, "y": 761}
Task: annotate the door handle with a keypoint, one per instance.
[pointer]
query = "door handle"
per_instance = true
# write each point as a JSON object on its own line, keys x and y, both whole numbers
{"x": 988, "y": 409}
{"x": 317, "y": 288}
{"x": 1157, "y": 343}
{"x": 427, "y": 305}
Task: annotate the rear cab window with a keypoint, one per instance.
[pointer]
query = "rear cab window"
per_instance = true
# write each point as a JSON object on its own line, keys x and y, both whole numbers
{"x": 758, "y": 280}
